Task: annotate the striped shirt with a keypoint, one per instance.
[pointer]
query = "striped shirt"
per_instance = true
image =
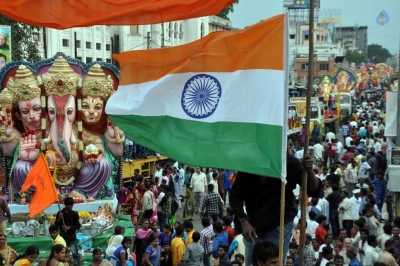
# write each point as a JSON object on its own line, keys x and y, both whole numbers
{"x": 345, "y": 130}
{"x": 206, "y": 238}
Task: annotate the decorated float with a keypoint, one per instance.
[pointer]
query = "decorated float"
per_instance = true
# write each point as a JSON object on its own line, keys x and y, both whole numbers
{"x": 56, "y": 107}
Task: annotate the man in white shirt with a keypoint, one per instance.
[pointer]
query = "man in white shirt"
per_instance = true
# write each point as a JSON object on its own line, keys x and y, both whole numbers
{"x": 339, "y": 149}
{"x": 199, "y": 185}
{"x": 355, "y": 204}
{"x": 299, "y": 154}
{"x": 377, "y": 146}
{"x": 312, "y": 224}
{"x": 371, "y": 251}
{"x": 318, "y": 150}
{"x": 363, "y": 171}
{"x": 327, "y": 255}
{"x": 158, "y": 173}
{"x": 353, "y": 124}
{"x": 345, "y": 212}
{"x": 348, "y": 140}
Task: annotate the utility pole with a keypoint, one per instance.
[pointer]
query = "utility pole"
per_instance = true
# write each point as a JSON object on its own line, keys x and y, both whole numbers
{"x": 162, "y": 35}
{"x": 148, "y": 38}
{"x": 308, "y": 109}
{"x": 76, "y": 48}
{"x": 398, "y": 108}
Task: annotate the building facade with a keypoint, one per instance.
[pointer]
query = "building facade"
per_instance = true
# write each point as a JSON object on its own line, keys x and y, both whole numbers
{"x": 353, "y": 37}
{"x": 97, "y": 43}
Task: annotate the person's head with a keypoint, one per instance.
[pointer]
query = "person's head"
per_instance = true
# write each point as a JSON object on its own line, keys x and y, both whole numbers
{"x": 325, "y": 170}
{"x": 210, "y": 188}
{"x": 289, "y": 261}
{"x": 339, "y": 242}
{"x": 154, "y": 240}
{"x": 53, "y": 230}
{"x": 68, "y": 203}
{"x": 146, "y": 224}
{"x": 229, "y": 212}
{"x": 179, "y": 231}
{"x": 188, "y": 226}
{"x": 338, "y": 260}
{"x": 119, "y": 230}
{"x": 196, "y": 237}
{"x": 236, "y": 263}
{"x": 222, "y": 251}
{"x": 227, "y": 221}
{"x": 167, "y": 229}
{"x": 351, "y": 252}
{"x": 372, "y": 241}
{"x": 293, "y": 247}
{"x": 314, "y": 201}
{"x": 387, "y": 229}
{"x": 390, "y": 246}
{"x": 67, "y": 255}
{"x": 395, "y": 230}
{"x": 308, "y": 239}
{"x": 218, "y": 227}
{"x": 344, "y": 194}
{"x": 136, "y": 172}
{"x": 315, "y": 244}
{"x": 3, "y": 240}
{"x": 167, "y": 247}
{"x": 364, "y": 233}
{"x": 3, "y": 60}
{"x": 126, "y": 242}
{"x": 328, "y": 239}
{"x": 240, "y": 258}
{"x": 321, "y": 220}
{"x": 57, "y": 253}
{"x": 328, "y": 183}
{"x": 265, "y": 254}
{"x": 343, "y": 233}
{"x": 31, "y": 253}
{"x": 154, "y": 226}
{"x": 381, "y": 175}
{"x": 97, "y": 255}
{"x": 327, "y": 252}
{"x": 198, "y": 170}
{"x": 205, "y": 222}
{"x": 312, "y": 214}
{"x": 347, "y": 242}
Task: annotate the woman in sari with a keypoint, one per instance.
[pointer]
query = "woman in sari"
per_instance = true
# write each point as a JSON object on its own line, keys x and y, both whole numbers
{"x": 120, "y": 256}
{"x": 27, "y": 259}
{"x": 9, "y": 255}
{"x": 98, "y": 258}
{"x": 152, "y": 254}
{"x": 114, "y": 241}
{"x": 188, "y": 210}
{"x": 136, "y": 201}
{"x": 142, "y": 240}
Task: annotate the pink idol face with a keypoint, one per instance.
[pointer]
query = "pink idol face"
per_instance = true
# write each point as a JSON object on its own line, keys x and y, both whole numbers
{"x": 30, "y": 112}
{"x": 61, "y": 106}
{"x": 92, "y": 109}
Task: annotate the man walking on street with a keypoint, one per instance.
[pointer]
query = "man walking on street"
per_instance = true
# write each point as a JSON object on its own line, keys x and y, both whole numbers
{"x": 227, "y": 184}
{"x": 206, "y": 236}
{"x": 211, "y": 205}
{"x": 68, "y": 221}
{"x": 199, "y": 185}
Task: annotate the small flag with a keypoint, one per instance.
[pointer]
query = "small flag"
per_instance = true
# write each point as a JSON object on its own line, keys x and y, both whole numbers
{"x": 217, "y": 102}
{"x": 45, "y": 194}
{"x": 383, "y": 18}
{"x": 63, "y": 14}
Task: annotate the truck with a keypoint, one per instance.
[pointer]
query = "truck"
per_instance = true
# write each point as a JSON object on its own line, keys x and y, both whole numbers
{"x": 145, "y": 165}
{"x": 345, "y": 104}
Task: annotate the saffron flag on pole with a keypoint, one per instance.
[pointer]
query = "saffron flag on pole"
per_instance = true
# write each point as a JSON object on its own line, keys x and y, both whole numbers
{"x": 217, "y": 102}
{"x": 63, "y": 14}
{"x": 45, "y": 194}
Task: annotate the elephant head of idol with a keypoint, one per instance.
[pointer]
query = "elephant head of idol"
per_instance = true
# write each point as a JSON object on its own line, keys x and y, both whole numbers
{"x": 61, "y": 82}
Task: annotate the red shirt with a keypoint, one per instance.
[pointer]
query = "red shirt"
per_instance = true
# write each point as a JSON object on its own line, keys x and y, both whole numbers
{"x": 231, "y": 233}
{"x": 320, "y": 234}
{"x": 346, "y": 157}
{"x": 332, "y": 147}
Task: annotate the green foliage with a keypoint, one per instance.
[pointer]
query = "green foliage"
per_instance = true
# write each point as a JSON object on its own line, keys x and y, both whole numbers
{"x": 353, "y": 56}
{"x": 378, "y": 54}
{"x": 224, "y": 12}
{"x": 23, "y": 45}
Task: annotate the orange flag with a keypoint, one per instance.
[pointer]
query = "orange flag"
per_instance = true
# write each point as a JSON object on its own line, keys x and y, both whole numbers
{"x": 45, "y": 194}
{"x": 62, "y": 14}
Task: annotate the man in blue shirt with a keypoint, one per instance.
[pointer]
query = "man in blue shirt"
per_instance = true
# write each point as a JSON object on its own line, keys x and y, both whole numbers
{"x": 221, "y": 238}
{"x": 227, "y": 183}
{"x": 351, "y": 253}
{"x": 380, "y": 189}
{"x": 315, "y": 134}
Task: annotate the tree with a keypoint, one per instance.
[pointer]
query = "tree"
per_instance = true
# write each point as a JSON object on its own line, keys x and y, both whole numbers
{"x": 378, "y": 54}
{"x": 224, "y": 12}
{"x": 354, "y": 56}
{"x": 23, "y": 45}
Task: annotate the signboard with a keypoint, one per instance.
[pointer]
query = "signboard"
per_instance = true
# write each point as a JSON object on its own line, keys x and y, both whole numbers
{"x": 383, "y": 18}
{"x": 305, "y": 4}
{"x": 302, "y": 99}
{"x": 301, "y": 108}
{"x": 395, "y": 157}
{"x": 5, "y": 45}
{"x": 332, "y": 20}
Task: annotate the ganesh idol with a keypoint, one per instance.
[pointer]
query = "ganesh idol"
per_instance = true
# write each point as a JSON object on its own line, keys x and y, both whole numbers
{"x": 102, "y": 140}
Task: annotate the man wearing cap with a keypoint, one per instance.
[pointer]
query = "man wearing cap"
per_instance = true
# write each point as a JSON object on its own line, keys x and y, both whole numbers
{"x": 355, "y": 201}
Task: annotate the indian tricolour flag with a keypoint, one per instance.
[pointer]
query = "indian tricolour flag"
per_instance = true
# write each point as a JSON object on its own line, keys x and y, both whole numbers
{"x": 217, "y": 102}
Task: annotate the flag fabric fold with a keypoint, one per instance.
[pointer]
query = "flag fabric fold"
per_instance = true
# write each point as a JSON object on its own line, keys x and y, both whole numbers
{"x": 63, "y": 14}
{"x": 217, "y": 102}
{"x": 45, "y": 194}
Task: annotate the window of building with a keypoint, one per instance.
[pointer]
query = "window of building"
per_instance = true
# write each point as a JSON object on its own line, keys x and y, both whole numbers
{"x": 175, "y": 30}
{"x": 78, "y": 44}
{"x": 324, "y": 66}
{"x": 202, "y": 33}
{"x": 65, "y": 43}
{"x": 306, "y": 37}
{"x": 99, "y": 59}
{"x": 36, "y": 36}
{"x": 317, "y": 37}
{"x": 88, "y": 45}
{"x": 134, "y": 30}
{"x": 98, "y": 46}
{"x": 79, "y": 58}
{"x": 170, "y": 30}
{"x": 304, "y": 66}
{"x": 181, "y": 31}
{"x": 292, "y": 36}
{"x": 89, "y": 60}
{"x": 108, "y": 60}
{"x": 108, "y": 47}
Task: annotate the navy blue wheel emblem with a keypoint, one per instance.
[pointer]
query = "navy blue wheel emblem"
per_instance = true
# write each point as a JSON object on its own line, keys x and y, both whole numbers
{"x": 200, "y": 96}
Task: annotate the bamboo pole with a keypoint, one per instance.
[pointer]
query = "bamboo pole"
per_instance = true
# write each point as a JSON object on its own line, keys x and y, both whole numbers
{"x": 282, "y": 224}
{"x": 308, "y": 108}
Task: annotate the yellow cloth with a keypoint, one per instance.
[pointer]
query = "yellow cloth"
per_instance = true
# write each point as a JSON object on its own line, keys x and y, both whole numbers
{"x": 178, "y": 249}
{"x": 24, "y": 262}
{"x": 8, "y": 254}
{"x": 59, "y": 240}
{"x": 189, "y": 238}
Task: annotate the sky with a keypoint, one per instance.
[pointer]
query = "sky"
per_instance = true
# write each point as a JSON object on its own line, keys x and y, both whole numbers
{"x": 360, "y": 12}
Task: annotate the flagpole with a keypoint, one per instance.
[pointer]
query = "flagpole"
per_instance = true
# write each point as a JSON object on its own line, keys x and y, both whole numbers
{"x": 282, "y": 224}
{"x": 307, "y": 126}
